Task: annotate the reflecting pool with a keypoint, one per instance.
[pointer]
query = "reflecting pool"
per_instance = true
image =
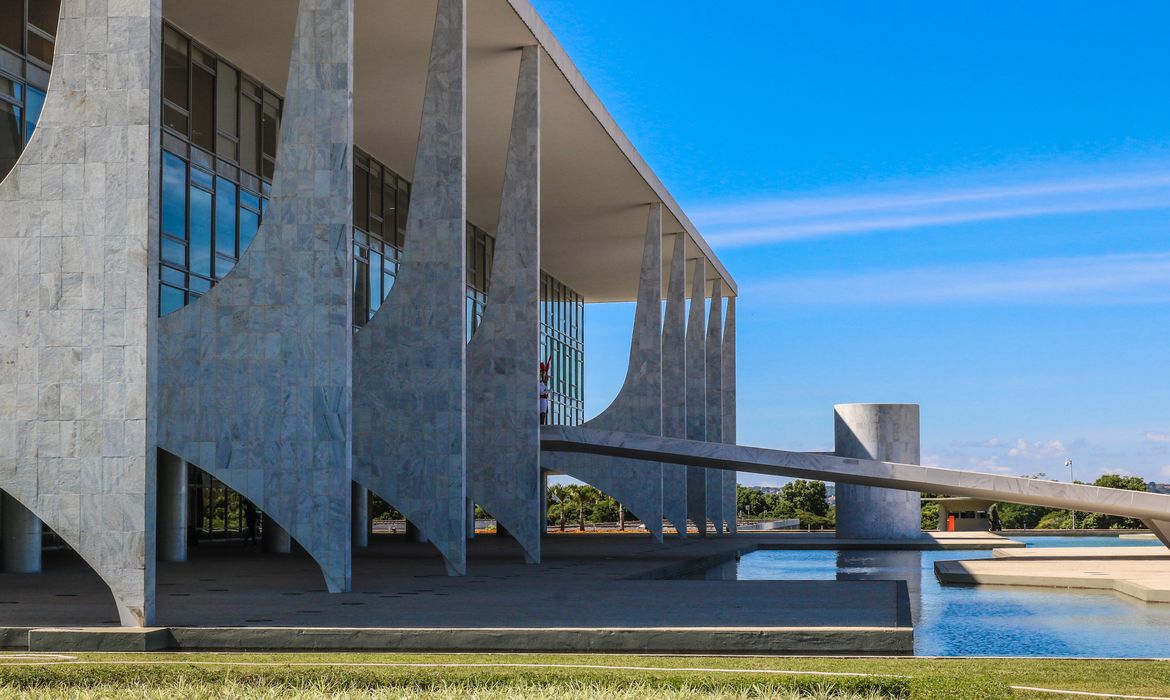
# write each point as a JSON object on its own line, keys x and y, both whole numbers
{"x": 959, "y": 620}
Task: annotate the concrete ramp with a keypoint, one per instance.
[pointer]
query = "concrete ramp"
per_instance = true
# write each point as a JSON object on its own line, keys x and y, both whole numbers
{"x": 1152, "y": 508}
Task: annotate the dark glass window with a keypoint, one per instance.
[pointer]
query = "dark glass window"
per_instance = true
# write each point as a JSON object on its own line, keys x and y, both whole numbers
{"x": 227, "y": 111}
{"x": 249, "y": 134}
{"x": 174, "y": 196}
{"x": 203, "y": 108}
{"x": 562, "y": 340}
{"x": 10, "y": 138}
{"x": 42, "y": 28}
{"x": 12, "y": 25}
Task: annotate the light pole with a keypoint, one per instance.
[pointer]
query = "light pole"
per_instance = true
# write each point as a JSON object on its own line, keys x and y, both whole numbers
{"x": 1068, "y": 463}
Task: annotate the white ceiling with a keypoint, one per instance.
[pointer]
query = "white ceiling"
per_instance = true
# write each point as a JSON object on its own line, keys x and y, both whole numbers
{"x": 595, "y": 186}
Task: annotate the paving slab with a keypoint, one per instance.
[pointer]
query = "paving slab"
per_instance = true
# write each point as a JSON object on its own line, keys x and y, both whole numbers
{"x": 590, "y": 593}
{"x": 1140, "y": 572}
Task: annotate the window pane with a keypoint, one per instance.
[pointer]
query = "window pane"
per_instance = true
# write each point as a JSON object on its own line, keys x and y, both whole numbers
{"x": 170, "y": 299}
{"x": 203, "y": 109}
{"x": 271, "y": 125}
{"x": 202, "y": 178}
{"x": 40, "y": 48}
{"x": 223, "y": 266}
{"x": 375, "y": 281}
{"x": 225, "y": 217}
{"x": 174, "y": 251}
{"x": 174, "y": 196}
{"x": 175, "y": 68}
{"x": 200, "y": 231}
{"x": 361, "y": 279}
{"x": 249, "y": 200}
{"x": 361, "y": 203}
{"x": 227, "y": 95}
{"x": 250, "y": 135}
{"x": 34, "y": 102}
{"x": 10, "y": 144}
{"x": 12, "y": 24}
{"x": 42, "y": 14}
{"x": 249, "y": 224}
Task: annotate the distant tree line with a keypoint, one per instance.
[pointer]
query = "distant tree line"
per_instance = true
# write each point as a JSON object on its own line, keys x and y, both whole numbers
{"x": 578, "y": 504}
{"x": 805, "y": 500}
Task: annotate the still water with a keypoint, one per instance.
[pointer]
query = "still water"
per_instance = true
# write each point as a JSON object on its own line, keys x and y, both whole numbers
{"x": 956, "y": 620}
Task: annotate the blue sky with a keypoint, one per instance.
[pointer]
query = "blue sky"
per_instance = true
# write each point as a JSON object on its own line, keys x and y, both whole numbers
{"x": 959, "y": 204}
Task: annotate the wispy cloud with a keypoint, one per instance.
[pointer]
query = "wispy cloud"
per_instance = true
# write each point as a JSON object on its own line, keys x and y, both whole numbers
{"x": 908, "y": 206}
{"x": 1103, "y": 279}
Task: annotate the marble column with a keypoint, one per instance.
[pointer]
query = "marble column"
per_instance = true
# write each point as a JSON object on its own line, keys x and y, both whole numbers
{"x": 409, "y": 360}
{"x": 172, "y": 508}
{"x": 714, "y": 392}
{"x": 696, "y": 381}
{"x": 360, "y": 512}
{"x": 275, "y": 539}
{"x": 674, "y": 384}
{"x": 888, "y": 433}
{"x": 20, "y": 551}
{"x": 638, "y": 407}
{"x": 503, "y": 430}
{"x": 254, "y": 377}
{"x": 78, "y": 308}
{"x": 1160, "y": 528}
{"x": 730, "y": 504}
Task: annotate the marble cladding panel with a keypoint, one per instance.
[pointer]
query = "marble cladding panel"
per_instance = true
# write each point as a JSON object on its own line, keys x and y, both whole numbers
{"x": 696, "y": 400}
{"x": 254, "y": 379}
{"x": 77, "y": 310}
{"x": 714, "y": 477}
{"x": 730, "y": 503}
{"x": 637, "y": 485}
{"x": 503, "y": 434}
{"x": 674, "y": 388}
{"x": 410, "y": 359}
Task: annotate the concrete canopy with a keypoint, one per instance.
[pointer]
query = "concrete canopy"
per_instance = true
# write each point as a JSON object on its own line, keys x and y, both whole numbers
{"x": 594, "y": 183}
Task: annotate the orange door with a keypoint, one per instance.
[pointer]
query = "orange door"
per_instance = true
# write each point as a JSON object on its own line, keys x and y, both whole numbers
{"x": 950, "y": 523}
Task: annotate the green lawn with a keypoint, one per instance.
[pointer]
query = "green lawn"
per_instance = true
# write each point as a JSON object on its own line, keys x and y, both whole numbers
{"x": 311, "y": 676}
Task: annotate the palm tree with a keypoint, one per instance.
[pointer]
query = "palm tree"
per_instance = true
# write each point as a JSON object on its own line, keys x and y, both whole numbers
{"x": 559, "y": 494}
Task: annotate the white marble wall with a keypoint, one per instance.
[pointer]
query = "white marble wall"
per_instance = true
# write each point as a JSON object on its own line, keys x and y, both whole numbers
{"x": 674, "y": 384}
{"x": 410, "y": 359}
{"x": 638, "y": 406}
{"x": 254, "y": 377}
{"x": 503, "y": 435}
{"x": 77, "y": 299}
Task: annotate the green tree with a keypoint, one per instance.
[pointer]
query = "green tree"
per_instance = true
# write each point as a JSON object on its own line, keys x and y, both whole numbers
{"x": 558, "y": 497}
{"x": 1101, "y": 521}
{"x": 930, "y": 515}
{"x": 806, "y": 496}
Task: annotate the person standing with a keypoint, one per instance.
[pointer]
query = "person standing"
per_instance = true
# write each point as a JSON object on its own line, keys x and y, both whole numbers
{"x": 542, "y": 389}
{"x": 250, "y": 523}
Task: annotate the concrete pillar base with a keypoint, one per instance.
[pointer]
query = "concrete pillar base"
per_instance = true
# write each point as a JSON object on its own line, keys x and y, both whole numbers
{"x": 172, "y": 508}
{"x": 275, "y": 538}
{"x": 889, "y": 433}
{"x": 360, "y": 512}
{"x": 20, "y": 552}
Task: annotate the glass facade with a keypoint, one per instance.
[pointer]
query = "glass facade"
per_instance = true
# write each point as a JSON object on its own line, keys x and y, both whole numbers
{"x": 480, "y": 249}
{"x": 27, "y": 33}
{"x": 219, "y": 152}
{"x": 562, "y": 343}
{"x": 380, "y": 201}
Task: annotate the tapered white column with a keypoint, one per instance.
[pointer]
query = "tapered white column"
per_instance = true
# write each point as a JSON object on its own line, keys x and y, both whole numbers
{"x": 888, "y": 433}
{"x": 696, "y": 367}
{"x": 503, "y": 431}
{"x": 172, "y": 508}
{"x": 730, "y": 501}
{"x": 714, "y": 477}
{"x": 674, "y": 384}
{"x": 409, "y": 361}
{"x": 20, "y": 552}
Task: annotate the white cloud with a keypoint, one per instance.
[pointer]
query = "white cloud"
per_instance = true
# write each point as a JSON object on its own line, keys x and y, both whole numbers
{"x": 1157, "y": 437}
{"x": 905, "y": 206}
{"x": 1100, "y": 279}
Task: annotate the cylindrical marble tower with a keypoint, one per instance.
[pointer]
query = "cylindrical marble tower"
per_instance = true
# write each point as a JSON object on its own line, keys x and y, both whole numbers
{"x": 885, "y": 432}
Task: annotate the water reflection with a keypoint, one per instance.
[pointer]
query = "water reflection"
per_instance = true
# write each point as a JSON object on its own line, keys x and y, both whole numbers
{"x": 885, "y": 565}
